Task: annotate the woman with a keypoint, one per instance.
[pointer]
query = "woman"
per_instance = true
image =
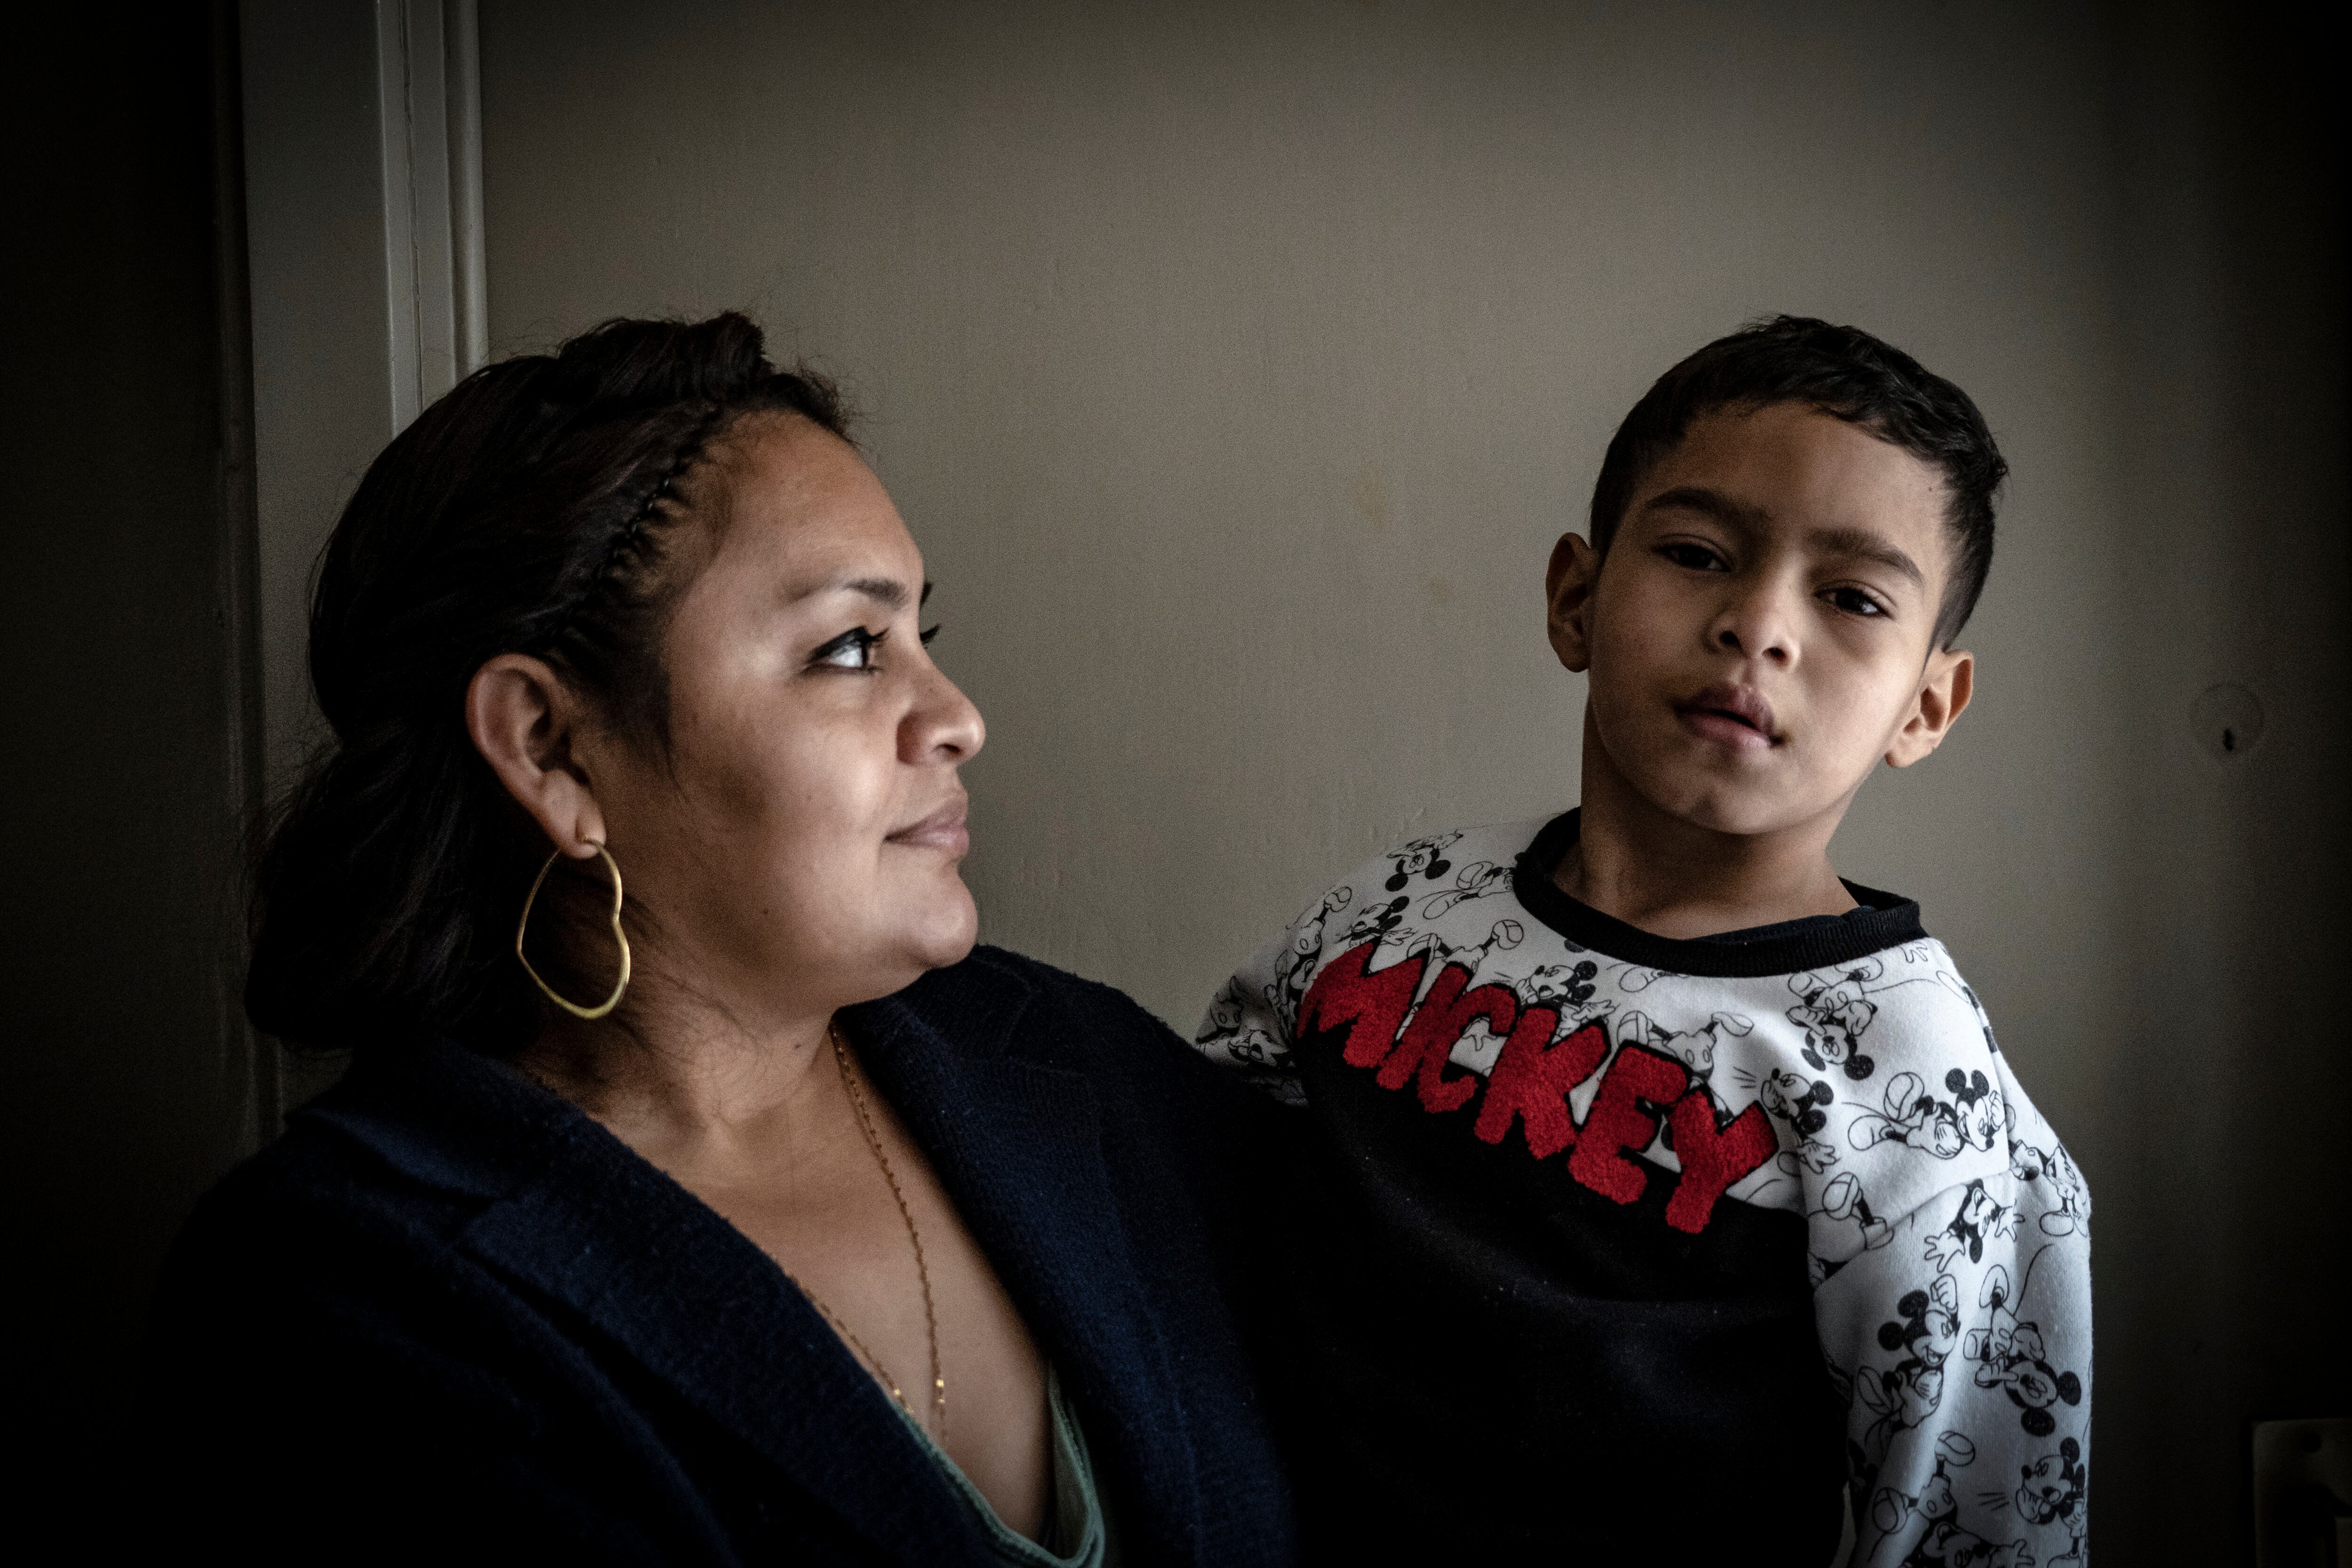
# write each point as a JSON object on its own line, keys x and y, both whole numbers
{"x": 697, "y": 1192}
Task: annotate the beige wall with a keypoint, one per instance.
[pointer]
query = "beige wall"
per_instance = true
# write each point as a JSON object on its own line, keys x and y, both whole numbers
{"x": 1236, "y": 366}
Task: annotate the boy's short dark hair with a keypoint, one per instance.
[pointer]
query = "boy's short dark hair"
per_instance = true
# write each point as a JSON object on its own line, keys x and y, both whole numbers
{"x": 1847, "y": 373}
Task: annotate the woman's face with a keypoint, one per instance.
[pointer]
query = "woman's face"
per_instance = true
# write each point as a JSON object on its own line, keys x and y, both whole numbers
{"x": 798, "y": 848}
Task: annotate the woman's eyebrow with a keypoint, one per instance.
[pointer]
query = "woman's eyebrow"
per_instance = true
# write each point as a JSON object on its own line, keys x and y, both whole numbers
{"x": 1862, "y": 544}
{"x": 887, "y": 592}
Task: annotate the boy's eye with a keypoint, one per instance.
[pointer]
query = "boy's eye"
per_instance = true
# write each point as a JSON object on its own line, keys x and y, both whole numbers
{"x": 1855, "y": 602}
{"x": 1697, "y": 557}
{"x": 853, "y": 649}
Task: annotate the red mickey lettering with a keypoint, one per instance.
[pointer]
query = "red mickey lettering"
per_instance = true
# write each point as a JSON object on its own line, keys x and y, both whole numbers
{"x": 1712, "y": 1157}
{"x": 1443, "y": 1017}
{"x": 1532, "y": 1078}
{"x": 1618, "y": 1123}
{"x": 1367, "y": 1009}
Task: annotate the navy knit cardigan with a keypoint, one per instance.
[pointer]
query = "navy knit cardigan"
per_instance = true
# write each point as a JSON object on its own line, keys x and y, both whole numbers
{"x": 448, "y": 1315}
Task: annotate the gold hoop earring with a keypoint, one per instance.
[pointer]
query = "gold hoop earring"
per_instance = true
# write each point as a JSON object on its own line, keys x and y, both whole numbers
{"x": 621, "y": 985}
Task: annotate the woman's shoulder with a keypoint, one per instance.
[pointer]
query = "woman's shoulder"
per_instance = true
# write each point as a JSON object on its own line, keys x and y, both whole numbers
{"x": 306, "y": 1222}
{"x": 1000, "y": 1002}
{"x": 998, "y": 1007}
{"x": 373, "y": 1178}
{"x": 1000, "y": 971}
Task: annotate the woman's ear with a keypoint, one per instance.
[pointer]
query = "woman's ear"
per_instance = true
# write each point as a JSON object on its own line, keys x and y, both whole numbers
{"x": 1945, "y": 689}
{"x": 525, "y": 720}
{"x": 1568, "y": 598}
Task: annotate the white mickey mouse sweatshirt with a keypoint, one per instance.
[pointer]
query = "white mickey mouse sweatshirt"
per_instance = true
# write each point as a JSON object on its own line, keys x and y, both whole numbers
{"x": 1587, "y": 1225}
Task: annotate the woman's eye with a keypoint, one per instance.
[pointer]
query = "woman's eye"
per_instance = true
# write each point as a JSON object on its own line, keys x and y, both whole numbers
{"x": 853, "y": 649}
{"x": 1855, "y": 602}
{"x": 1698, "y": 557}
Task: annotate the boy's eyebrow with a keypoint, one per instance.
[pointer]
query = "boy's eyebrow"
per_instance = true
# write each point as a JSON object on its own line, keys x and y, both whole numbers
{"x": 1857, "y": 543}
{"x": 1714, "y": 504}
{"x": 1862, "y": 544}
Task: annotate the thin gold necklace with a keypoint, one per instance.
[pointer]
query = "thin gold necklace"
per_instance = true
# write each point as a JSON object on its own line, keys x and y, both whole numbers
{"x": 922, "y": 1270}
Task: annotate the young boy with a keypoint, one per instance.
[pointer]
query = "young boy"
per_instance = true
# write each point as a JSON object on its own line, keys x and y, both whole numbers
{"x": 1654, "y": 1191}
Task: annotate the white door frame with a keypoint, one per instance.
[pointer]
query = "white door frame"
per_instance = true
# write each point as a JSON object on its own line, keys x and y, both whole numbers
{"x": 363, "y": 234}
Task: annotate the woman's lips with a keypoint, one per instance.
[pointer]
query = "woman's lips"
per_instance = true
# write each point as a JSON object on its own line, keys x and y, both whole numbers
{"x": 944, "y": 829}
{"x": 1734, "y": 716}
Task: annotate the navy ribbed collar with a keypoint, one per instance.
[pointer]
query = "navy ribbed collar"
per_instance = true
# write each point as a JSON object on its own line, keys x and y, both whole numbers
{"x": 1884, "y": 920}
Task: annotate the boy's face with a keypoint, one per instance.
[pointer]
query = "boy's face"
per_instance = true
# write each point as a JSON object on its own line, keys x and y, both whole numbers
{"x": 1762, "y": 630}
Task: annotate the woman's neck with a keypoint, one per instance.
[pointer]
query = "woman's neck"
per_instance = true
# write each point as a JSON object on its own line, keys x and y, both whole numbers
{"x": 678, "y": 1072}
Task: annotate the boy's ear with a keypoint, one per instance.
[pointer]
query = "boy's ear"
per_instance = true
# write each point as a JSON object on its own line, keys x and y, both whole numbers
{"x": 1945, "y": 688}
{"x": 526, "y": 724}
{"x": 1568, "y": 597}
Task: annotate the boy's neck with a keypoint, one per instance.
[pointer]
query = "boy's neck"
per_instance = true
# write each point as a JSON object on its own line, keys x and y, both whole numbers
{"x": 1672, "y": 878}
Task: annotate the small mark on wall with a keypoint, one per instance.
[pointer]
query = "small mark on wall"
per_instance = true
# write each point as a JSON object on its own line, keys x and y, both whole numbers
{"x": 2228, "y": 719}
{"x": 1441, "y": 592}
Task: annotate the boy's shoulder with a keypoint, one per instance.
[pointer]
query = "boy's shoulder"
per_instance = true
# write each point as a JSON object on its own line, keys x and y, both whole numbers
{"x": 1847, "y": 1054}
{"x": 1482, "y": 899}
{"x": 1404, "y": 895}
{"x": 1394, "y": 901}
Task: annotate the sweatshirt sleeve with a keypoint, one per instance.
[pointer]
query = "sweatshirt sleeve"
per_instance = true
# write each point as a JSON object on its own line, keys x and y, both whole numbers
{"x": 1958, "y": 1326}
{"x": 1250, "y": 1022}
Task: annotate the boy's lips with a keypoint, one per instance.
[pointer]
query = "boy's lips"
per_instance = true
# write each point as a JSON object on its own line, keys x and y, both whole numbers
{"x": 1736, "y": 716}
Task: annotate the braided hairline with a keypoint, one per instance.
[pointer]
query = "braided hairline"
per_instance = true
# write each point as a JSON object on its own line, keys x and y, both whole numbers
{"x": 630, "y": 534}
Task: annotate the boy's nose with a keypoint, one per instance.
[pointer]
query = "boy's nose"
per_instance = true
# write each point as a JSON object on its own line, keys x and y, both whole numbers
{"x": 1757, "y": 626}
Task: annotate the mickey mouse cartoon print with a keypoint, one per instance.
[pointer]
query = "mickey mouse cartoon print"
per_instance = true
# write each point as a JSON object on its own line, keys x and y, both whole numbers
{"x": 1802, "y": 1106}
{"x": 1423, "y": 858}
{"x": 2010, "y": 1356}
{"x": 1253, "y": 1050}
{"x": 1693, "y": 1047}
{"x": 1934, "y": 1517}
{"x": 1477, "y": 880}
{"x": 1826, "y": 1108}
{"x": 1971, "y": 1117}
{"x": 2050, "y": 1492}
{"x": 1565, "y": 987}
{"x": 1833, "y": 1011}
{"x": 1306, "y": 949}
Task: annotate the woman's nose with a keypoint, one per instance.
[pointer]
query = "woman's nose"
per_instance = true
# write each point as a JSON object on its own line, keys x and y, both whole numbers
{"x": 943, "y": 726}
